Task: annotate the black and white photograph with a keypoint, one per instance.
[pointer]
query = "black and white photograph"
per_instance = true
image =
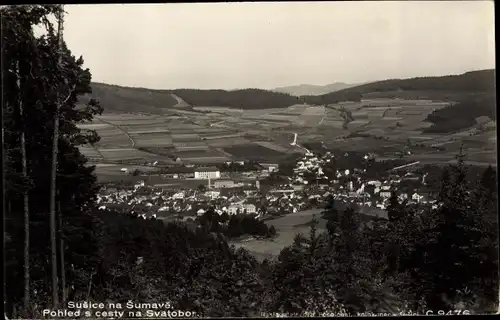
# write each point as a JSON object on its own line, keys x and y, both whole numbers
{"x": 249, "y": 160}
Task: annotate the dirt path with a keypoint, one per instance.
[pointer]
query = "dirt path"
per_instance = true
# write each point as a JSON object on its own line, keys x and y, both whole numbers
{"x": 180, "y": 103}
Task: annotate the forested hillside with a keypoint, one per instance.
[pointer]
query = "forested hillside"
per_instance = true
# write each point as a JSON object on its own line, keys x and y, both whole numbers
{"x": 238, "y": 99}
{"x": 59, "y": 247}
{"x": 463, "y": 114}
{"x": 126, "y": 99}
{"x": 442, "y": 88}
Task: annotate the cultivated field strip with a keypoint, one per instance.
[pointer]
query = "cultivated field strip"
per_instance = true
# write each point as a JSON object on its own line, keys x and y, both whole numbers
{"x": 206, "y": 160}
{"x": 221, "y": 143}
{"x": 150, "y": 140}
{"x": 90, "y": 152}
{"x": 250, "y": 151}
{"x": 93, "y": 126}
{"x": 271, "y": 145}
{"x": 198, "y": 153}
{"x": 190, "y": 144}
{"x": 124, "y": 154}
{"x": 149, "y": 131}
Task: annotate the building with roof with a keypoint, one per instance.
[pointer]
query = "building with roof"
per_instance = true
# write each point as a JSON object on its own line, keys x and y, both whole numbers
{"x": 270, "y": 167}
{"x": 206, "y": 173}
{"x": 224, "y": 184}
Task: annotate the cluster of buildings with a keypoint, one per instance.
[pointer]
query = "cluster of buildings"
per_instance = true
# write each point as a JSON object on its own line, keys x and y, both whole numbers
{"x": 308, "y": 186}
{"x": 350, "y": 184}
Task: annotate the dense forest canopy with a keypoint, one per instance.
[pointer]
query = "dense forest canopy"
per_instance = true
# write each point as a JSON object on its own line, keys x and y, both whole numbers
{"x": 463, "y": 114}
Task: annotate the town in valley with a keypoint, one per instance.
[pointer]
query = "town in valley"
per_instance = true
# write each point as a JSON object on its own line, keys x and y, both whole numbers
{"x": 243, "y": 160}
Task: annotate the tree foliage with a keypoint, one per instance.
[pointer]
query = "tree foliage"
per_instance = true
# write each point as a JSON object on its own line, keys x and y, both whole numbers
{"x": 464, "y": 114}
{"x": 42, "y": 83}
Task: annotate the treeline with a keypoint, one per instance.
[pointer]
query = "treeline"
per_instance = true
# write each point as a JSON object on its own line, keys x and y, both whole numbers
{"x": 470, "y": 82}
{"x": 234, "y": 226}
{"x": 129, "y": 99}
{"x": 462, "y": 115}
{"x": 48, "y": 213}
{"x": 238, "y": 99}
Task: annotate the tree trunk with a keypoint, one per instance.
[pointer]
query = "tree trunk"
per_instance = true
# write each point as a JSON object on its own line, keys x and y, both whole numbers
{"x": 61, "y": 254}
{"x": 2, "y": 169}
{"x": 25, "y": 197}
{"x": 55, "y": 141}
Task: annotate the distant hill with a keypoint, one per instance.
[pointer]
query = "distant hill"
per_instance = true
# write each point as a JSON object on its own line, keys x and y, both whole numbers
{"x": 453, "y": 88}
{"x": 313, "y": 90}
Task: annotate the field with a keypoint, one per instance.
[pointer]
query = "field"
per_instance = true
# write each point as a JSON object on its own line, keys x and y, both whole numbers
{"x": 199, "y": 153}
{"x": 252, "y": 152}
{"x": 111, "y": 173}
{"x": 287, "y": 227}
{"x": 214, "y": 134}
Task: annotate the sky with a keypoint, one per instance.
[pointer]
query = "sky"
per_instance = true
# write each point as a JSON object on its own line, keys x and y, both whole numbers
{"x": 268, "y": 45}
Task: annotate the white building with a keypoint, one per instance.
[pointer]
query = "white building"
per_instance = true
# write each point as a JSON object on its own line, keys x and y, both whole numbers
{"x": 242, "y": 208}
{"x": 350, "y": 186}
{"x": 224, "y": 184}
{"x": 249, "y": 208}
{"x": 375, "y": 183}
{"x": 270, "y": 167}
{"x": 179, "y": 195}
{"x": 212, "y": 194}
{"x": 416, "y": 197}
{"x": 139, "y": 184}
{"x": 385, "y": 194}
{"x": 206, "y": 173}
{"x": 403, "y": 197}
{"x": 233, "y": 209}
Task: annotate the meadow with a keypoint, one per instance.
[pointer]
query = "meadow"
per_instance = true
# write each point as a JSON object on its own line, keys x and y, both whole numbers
{"x": 252, "y": 152}
{"x": 287, "y": 227}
